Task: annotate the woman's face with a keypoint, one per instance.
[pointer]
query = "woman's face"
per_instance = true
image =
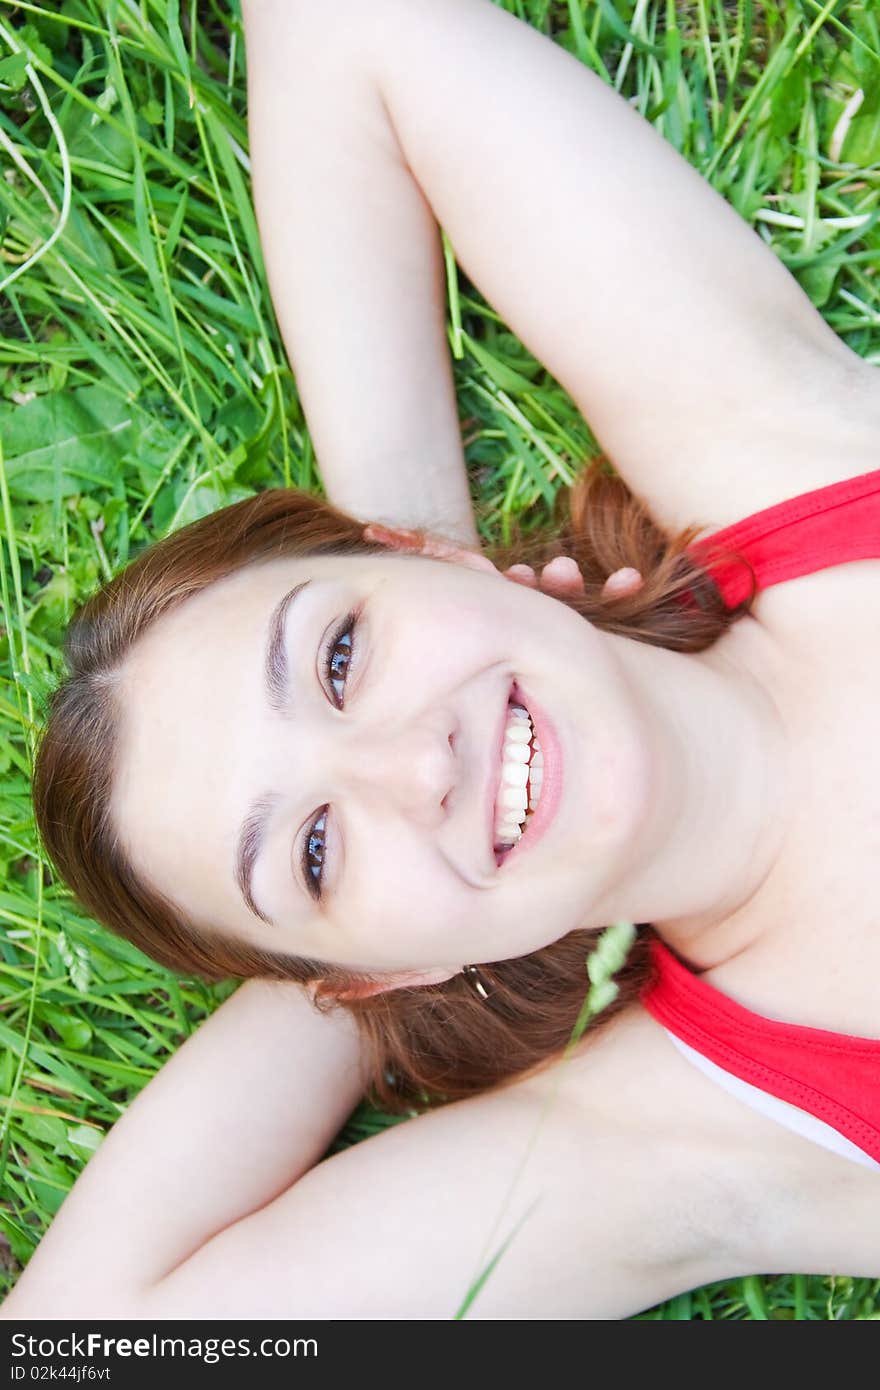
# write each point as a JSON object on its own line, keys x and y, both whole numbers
{"x": 360, "y": 702}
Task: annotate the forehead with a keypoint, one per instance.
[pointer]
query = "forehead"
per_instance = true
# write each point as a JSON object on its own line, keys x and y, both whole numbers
{"x": 188, "y": 689}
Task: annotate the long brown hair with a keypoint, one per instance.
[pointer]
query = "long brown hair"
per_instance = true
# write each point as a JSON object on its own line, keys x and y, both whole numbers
{"x": 428, "y": 1044}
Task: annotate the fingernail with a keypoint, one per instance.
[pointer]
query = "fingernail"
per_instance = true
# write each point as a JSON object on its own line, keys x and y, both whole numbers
{"x": 621, "y": 579}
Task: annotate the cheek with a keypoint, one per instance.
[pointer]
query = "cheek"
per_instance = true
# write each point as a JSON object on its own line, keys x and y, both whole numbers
{"x": 455, "y": 630}
{"x": 406, "y": 898}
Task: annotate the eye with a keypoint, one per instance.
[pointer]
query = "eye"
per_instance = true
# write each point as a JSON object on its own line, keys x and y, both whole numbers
{"x": 335, "y": 660}
{"x": 313, "y": 855}
{"x": 336, "y": 657}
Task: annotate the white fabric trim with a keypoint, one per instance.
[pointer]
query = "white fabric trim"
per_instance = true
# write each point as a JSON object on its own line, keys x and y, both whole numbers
{"x": 790, "y": 1116}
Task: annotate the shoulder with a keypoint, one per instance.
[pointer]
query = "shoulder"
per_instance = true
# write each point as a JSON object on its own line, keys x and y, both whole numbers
{"x": 555, "y": 1197}
{"x": 596, "y": 1189}
{"x": 692, "y": 1164}
{"x": 730, "y": 1191}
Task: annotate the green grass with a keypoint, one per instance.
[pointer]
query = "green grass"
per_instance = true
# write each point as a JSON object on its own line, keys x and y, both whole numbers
{"x": 143, "y": 384}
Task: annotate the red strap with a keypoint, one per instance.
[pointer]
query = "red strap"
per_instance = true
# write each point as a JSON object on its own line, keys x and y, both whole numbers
{"x": 830, "y": 1075}
{"x": 819, "y": 529}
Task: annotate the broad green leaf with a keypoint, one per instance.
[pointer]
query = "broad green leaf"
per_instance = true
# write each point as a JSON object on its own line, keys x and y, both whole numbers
{"x": 817, "y": 282}
{"x": 12, "y": 71}
{"x": 64, "y": 443}
{"x": 862, "y": 143}
{"x": 83, "y": 1140}
{"x": 73, "y": 1031}
{"x": 30, "y": 39}
{"x": 47, "y": 1129}
{"x": 787, "y": 102}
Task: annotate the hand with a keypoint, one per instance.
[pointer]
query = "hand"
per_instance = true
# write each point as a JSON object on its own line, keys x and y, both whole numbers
{"x": 561, "y": 577}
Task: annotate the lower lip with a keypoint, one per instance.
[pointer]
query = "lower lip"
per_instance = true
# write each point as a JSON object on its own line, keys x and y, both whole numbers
{"x": 551, "y": 786}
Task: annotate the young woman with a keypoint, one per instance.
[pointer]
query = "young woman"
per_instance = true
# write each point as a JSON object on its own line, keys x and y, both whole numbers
{"x": 289, "y": 748}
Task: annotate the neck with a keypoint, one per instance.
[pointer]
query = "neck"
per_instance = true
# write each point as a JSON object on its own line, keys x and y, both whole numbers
{"x": 721, "y": 803}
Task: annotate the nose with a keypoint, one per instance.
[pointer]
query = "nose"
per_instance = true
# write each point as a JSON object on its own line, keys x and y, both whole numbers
{"x": 410, "y": 765}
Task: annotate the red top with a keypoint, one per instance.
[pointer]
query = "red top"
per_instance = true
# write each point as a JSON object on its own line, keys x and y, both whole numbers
{"x": 812, "y": 532}
{"x": 830, "y": 1075}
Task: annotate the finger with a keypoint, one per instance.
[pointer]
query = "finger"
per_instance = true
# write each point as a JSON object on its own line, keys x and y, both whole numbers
{"x": 522, "y": 574}
{"x": 438, "y": 548}
{"x": 433, "y": 547}
{"x": 471, "y": 559}
{"x": 622, "y": 581}
{"x": 395, "y": 537}
{"x": 562, "y": 576}
{"x": 400, "y": 538}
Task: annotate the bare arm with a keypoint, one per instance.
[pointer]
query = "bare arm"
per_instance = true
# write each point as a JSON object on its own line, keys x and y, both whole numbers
{"x": 354, "y": 259}
{"x": 248, "y": 1104}
{"x": 207, "y": 1199}
{"x": 708, "y": 377}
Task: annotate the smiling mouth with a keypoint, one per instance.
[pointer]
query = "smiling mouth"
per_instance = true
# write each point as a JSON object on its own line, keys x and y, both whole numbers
{"x": 520, "y": 781}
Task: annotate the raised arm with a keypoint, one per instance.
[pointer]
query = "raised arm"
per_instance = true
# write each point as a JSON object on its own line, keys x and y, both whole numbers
{"x": 354, "y": 260}
{"x": 708, "y": 377}
{"x": 606, "y": 1183}
{"x": 248, "y": 1104}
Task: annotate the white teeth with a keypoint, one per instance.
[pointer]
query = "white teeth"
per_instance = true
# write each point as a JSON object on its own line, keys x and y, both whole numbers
{"x": 513, "y": 798}
{"x": 504, "y": 829}
{"x": 516, "y": 752}
{"x": 517, "y": 733}
{"x": 508, "y": 835}
{"x": 514, "y": 774}
{"x": 520, "y": 785}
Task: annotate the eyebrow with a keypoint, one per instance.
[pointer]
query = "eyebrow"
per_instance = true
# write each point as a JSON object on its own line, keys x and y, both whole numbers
{"x": 276, "y": 680}
{"x": 276, "y": 669}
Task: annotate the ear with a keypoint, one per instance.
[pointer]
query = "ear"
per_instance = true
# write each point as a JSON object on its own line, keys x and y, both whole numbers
{"x": 423, "y": 543}
{"x": 404, "y": 979}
